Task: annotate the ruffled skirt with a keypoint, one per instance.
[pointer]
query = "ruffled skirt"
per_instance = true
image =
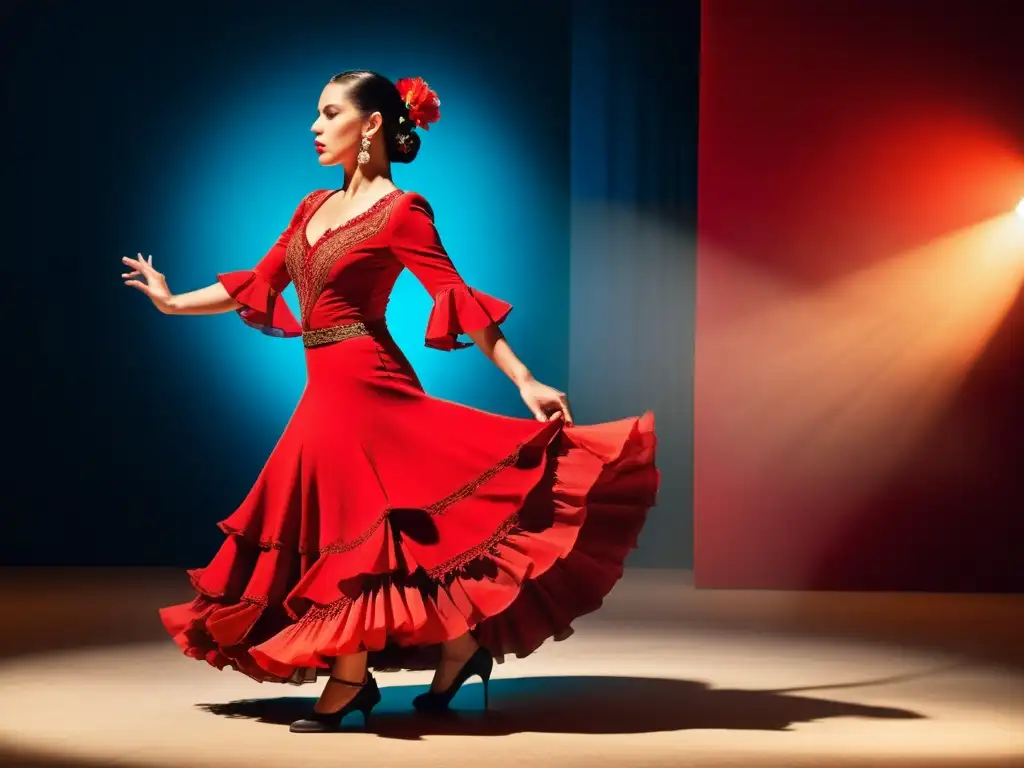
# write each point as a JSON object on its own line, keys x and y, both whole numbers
{"x": 388, "y": 521}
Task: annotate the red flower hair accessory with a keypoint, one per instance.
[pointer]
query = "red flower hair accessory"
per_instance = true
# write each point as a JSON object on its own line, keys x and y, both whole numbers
{"x": 423, "y": 105}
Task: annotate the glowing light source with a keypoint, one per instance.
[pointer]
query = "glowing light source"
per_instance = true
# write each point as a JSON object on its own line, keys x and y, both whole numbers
{"x": 1020, "y": 208}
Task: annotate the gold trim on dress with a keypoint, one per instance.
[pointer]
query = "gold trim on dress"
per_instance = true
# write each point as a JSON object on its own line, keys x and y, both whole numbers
{"x": 320, "y": 336}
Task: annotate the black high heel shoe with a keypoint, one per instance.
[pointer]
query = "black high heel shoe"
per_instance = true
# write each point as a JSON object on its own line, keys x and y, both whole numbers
{"x": 324, "y": 722}
{"x": 480, "y": 664}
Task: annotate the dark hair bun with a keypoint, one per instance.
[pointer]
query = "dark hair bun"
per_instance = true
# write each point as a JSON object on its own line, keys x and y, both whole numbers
{"x": 404, "y": 144}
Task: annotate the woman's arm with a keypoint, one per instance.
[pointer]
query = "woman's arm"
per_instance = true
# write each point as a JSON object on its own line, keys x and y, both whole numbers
{"x": 211, "y": 300}
{"x": 491, "y": 341}
{"x": 255, "y": 294}
{"x": 543, "y": 401}
{"x": 459, "y": 309}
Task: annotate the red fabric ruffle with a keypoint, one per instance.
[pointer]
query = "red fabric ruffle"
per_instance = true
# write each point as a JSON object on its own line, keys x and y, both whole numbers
{"x": 263, "y": 307}
{"x": 279, "y": 612}
{"x": 459, "y": 309}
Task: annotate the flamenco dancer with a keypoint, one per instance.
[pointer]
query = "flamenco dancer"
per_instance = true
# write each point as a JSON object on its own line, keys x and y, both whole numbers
{"x": 389, "y": 529}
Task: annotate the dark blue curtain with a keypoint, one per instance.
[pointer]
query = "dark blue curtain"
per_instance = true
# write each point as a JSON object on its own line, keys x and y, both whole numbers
{"x": 633, "y": 254}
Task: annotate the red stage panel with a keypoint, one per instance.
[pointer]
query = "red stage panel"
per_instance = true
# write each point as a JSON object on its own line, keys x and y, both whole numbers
{"x": 859, "y": 415}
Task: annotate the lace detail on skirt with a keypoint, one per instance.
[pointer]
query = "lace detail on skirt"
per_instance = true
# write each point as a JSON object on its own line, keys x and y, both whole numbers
{"x": 448, "y": 569}
{"x": 439, "y": 507}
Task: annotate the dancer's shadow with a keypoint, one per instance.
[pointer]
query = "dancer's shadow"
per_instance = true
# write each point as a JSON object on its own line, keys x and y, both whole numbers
{"x": 584, "y": 705}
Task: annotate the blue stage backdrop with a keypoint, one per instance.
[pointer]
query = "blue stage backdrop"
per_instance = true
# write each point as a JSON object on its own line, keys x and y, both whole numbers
{"x": 184, "y": 133}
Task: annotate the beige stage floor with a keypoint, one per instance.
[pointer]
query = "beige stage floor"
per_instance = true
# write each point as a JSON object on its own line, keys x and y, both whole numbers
{"x": 664, "y": 675}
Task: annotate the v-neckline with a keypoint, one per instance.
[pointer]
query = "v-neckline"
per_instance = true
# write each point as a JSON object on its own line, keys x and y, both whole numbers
{"x": 347, "y": 223}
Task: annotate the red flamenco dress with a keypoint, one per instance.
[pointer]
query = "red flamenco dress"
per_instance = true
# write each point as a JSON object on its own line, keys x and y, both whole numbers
{"x": 387, "y": 520}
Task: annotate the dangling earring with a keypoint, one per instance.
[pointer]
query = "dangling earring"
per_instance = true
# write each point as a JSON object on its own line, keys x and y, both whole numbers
{"x": 364, "y": 155}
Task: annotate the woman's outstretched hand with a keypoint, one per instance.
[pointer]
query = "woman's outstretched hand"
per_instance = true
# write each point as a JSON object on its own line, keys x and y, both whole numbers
{"x": 154, "y": 285}
{"x": 546, "y": 403}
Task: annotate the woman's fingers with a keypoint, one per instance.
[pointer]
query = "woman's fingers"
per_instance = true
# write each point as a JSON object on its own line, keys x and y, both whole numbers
{"x": 141, "y": 267}
{"x": 563, "y": 402}
{"x": 140, "y": 264}
{"x": 140, "y": 285}
{"x": 566, "y": 414}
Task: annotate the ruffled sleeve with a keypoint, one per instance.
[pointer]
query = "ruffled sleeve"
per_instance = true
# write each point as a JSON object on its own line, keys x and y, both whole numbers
{"x": 458, "y": 308}
{"x": 263, "y": 307}
{"x": 259, "y": 289}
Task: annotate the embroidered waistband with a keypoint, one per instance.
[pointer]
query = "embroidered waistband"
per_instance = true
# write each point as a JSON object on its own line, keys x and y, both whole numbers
{"x": 320, "y": 336}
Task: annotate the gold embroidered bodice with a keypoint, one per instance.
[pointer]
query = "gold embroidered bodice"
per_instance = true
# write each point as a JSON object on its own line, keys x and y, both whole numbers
{"x": 315, "y": 267}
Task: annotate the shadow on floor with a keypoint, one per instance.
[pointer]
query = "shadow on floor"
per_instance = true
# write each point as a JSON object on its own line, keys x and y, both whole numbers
{"x": 580, "y": 705}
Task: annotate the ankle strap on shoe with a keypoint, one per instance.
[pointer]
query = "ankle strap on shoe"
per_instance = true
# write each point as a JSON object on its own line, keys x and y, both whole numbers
{"x": 349, "y": 683}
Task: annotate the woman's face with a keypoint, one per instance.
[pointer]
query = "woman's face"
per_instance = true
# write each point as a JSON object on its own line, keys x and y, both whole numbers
{"x": 339, "y": 127}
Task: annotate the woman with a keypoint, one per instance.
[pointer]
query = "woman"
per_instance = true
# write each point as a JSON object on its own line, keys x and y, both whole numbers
{"x": 389, "y": 528}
